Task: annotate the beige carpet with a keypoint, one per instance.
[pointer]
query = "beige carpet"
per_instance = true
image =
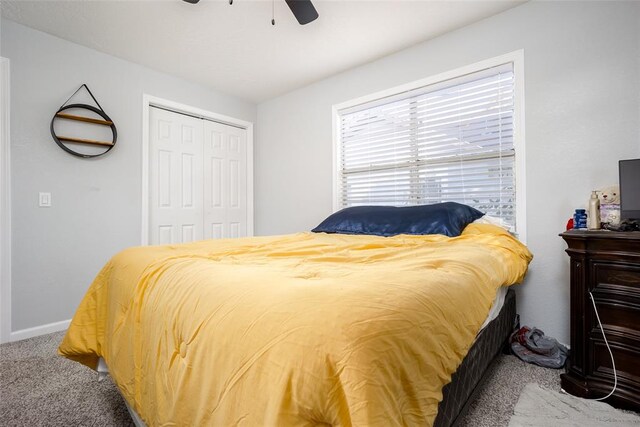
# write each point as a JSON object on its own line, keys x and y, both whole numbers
{"x": 541, "y": 407}
{"x": 39, "y": 388}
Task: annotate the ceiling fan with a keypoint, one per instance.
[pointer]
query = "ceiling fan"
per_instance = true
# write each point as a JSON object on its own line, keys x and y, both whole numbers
{"x": 303, "y": 10}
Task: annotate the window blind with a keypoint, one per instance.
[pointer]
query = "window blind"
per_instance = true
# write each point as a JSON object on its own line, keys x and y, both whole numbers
{"x": 452, "y": 141}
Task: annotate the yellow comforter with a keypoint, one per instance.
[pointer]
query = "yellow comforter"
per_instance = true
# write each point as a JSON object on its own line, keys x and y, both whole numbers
{"x": 299, "y": 329}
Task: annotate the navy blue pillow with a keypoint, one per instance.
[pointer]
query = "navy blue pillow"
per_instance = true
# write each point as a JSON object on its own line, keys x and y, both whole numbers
{"x": 448, "y": 218}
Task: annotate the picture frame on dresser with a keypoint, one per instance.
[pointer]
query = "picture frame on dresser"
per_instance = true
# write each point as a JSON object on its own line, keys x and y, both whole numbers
{"x": 607, "y": 265}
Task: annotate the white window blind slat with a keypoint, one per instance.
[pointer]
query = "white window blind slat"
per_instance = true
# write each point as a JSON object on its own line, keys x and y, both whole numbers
{"x": 452, "y": 141}
{"x": 473, "y": 113}
{"x": 473, "y": 120}
{"x": 469, "y": 135}
{"x": 377, "y": 118}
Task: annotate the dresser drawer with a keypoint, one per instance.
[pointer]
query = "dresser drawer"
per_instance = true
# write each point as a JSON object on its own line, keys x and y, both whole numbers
{"x": 617, "y": 295}
{"x": 626, "y": 358}
{"x": 621, "y": 320}
{"x": 620, "y": 277}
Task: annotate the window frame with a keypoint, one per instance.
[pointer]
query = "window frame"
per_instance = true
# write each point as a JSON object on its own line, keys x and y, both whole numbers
{"x": 517, "y": 59}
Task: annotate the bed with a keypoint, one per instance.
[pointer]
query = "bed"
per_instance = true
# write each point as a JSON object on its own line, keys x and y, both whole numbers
{"x": 309, "y": 328}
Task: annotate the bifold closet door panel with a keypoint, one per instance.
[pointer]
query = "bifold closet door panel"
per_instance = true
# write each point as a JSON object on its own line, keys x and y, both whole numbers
{"x": 176, "y": 211}
{"x": 225, "y": 181}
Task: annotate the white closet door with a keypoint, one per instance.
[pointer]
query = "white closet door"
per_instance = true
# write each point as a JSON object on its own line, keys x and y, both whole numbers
{"x": 225, "y": 181}
{"x": 175, "y": 177}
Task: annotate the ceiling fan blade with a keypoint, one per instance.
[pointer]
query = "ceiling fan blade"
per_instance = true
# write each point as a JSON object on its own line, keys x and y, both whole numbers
{"x": 303, "y": 10}
{"x": 192, "y": 1}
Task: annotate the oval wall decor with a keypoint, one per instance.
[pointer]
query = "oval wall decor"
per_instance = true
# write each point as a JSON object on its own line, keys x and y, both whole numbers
{"x": 64, "y": 113}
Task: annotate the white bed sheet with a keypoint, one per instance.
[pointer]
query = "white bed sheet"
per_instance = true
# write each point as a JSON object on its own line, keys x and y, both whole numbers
{"x": 498, "y": 302}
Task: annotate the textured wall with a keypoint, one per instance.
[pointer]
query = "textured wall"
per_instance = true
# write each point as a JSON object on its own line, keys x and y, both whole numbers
{"x": 582, "y": 96}
{"x": 96, "y": 204}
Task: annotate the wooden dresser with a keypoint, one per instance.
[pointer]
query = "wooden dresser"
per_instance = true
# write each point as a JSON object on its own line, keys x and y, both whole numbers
{"x": 607, "y": 264}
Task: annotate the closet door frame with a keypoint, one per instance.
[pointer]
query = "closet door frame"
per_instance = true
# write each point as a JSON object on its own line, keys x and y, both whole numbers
{"x": 149, "y": 101}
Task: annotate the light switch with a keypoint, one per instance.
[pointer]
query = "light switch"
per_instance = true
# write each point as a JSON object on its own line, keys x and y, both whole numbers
{"x": 45, "y": 200}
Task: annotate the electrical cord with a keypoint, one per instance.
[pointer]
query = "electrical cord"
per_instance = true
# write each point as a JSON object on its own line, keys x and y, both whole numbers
{"x": 613, "y": 363}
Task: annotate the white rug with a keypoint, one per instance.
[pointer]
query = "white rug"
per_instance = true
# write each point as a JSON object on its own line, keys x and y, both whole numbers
{"x": 540, "y": 407}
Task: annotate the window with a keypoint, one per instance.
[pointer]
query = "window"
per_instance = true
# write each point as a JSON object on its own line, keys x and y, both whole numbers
{"x": 450, "y": 140}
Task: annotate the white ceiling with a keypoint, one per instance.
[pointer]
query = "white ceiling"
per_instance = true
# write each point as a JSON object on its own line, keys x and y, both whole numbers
{"x": 235, "y": 49}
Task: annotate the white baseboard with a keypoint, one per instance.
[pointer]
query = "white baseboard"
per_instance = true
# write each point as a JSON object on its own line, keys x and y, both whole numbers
{"x": 23, "y": 334}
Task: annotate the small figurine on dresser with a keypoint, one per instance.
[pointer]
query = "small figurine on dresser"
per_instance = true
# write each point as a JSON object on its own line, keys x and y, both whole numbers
{"x": 610, "y": 206}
